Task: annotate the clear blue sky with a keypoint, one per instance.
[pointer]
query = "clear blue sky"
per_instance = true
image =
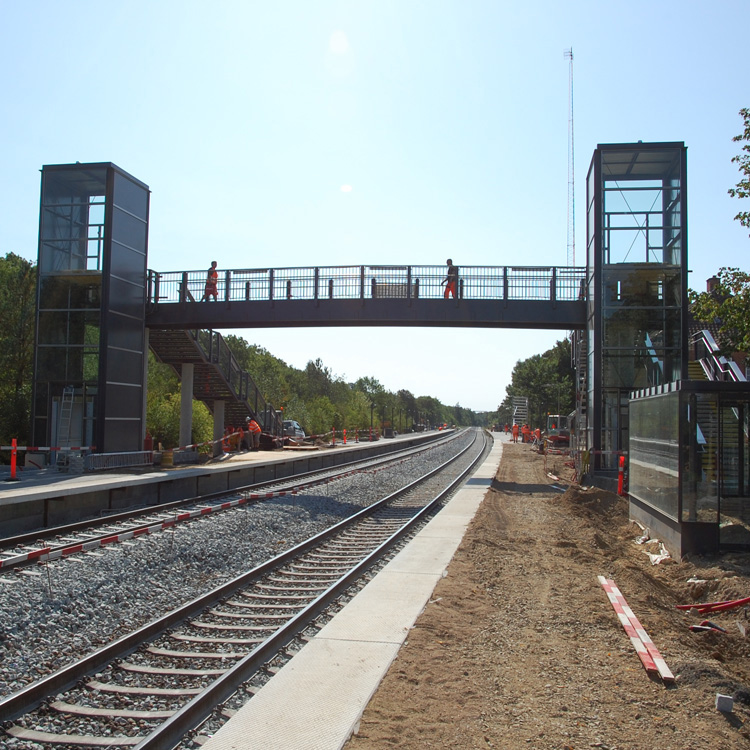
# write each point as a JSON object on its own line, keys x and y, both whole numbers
{"x": 449, "y": 120}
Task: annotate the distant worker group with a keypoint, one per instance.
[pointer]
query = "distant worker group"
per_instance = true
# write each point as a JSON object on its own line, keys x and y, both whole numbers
{"x": 240, "y": 440}
{"x": 526, "y": 433}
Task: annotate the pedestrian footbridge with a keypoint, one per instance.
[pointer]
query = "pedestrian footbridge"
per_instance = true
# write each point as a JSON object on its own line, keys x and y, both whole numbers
{"x": 540, "y": 297}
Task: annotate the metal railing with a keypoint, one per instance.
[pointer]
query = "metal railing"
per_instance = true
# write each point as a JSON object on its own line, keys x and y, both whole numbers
{"x": 104, "y": 461}
{"x": 550, "y": 283}
{"x": 243, "y": 387}
{"x": 715, "y": 365}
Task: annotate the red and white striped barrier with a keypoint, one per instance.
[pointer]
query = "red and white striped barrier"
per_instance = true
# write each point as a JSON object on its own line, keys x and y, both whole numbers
{"x": 45, "y": 554}
{"x": 39, "y": 449}
{"x": 647, "y": 652}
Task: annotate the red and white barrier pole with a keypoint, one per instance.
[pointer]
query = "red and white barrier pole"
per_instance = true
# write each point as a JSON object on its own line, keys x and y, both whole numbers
{"x": 621, "y": 475}
{"x": 333, "y": 439}
{"x": 344, "y": 435}
{"x": 13, "y": 453}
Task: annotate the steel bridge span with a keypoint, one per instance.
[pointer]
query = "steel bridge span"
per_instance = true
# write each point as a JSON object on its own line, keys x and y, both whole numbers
{"x": 488, "y": 297}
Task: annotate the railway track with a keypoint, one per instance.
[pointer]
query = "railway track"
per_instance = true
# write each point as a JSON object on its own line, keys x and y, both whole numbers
{"x": 62, "y": 541}
{"x": 154, "y": 686}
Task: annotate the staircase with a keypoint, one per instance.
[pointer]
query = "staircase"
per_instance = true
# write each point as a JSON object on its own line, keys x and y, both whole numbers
{"x": 217, "y": 375}
{"x": 706, "y": 421}
{"x": 520, "y": 410}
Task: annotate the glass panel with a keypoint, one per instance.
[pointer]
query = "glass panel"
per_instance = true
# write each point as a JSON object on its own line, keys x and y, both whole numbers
{"x": 731, "y": 451}
{"x": 123, "y": 434}
{"x": 128, "y": 231}
{"x": 73, "y": 185}
{"x": 630, "y": 370}
{"x": 735, "y": 498}
{"x": 700, "y": 488}
{"x": 131, "y": 196}
{"x": 53, "y": 328}
{"x": 654, "y": 452}
{"x": 72, "y": 219}
{"x": 126, "y": 298}
{"x": 63, "y": 256}
{"x": 124, "y": 367}
{"x": 51, "y": 363}
{"x": 124, "y": 401}
{"x": 90, "y": 365}
{"x": 124, "y": 333}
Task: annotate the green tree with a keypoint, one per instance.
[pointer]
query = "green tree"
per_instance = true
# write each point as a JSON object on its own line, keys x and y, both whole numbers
{"x": 270, "y": 374}
{"x": 546, "y": 380}
{"x": 357, "y": 410}
{"x": 743, "y": 160}
{"x": 727, "y": 305}
{"x": 431, "y": 411}
{"x": 18, "y": 309}
{"x": 163, "y": 408}
{"x": 407, "y": 403}
{"x": 322, "y": 416}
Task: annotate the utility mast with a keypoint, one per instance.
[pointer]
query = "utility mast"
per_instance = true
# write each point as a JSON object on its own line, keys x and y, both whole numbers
{"x": 571, "y": 168}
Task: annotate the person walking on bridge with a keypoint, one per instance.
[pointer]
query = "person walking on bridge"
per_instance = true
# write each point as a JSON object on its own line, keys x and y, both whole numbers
{"x": 212, "y": 282}
{"x": 451, "y": 280}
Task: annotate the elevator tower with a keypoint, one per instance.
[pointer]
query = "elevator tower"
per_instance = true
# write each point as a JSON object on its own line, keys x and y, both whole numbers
{"x": 90, "y": 357}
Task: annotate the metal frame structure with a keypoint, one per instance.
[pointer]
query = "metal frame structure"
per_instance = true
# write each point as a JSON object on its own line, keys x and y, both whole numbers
{"x": 91, "y": 299}
{"x": 636, "y": 285}
{"x": 97, "y": 298}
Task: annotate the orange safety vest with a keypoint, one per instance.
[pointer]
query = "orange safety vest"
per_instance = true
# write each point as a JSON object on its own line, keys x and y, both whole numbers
{"x": 253, "y": 426}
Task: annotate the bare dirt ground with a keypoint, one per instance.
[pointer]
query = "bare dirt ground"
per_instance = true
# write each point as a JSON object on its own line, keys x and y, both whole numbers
{"x": 520, "y": 647}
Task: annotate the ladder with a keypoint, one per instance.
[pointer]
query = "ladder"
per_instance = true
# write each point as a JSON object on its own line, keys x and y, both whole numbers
{"x": 66, "y": 413}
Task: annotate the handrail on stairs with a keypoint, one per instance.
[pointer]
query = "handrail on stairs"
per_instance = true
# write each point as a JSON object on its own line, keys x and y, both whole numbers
{"x": 715, "y": 365}
{"x": 243, "y": 387}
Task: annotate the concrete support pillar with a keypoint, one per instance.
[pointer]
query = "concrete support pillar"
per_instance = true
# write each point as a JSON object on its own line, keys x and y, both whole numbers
{"x": 218, "y": 426}
{"x": 186, "y": 404}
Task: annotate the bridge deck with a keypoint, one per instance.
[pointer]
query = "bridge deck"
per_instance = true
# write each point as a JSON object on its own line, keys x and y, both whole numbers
{"x": 490, "y": 297}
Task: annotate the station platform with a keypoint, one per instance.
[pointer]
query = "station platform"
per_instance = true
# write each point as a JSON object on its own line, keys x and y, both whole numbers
{"x": 316, "y": 700}
{"x": 45, "y": 498}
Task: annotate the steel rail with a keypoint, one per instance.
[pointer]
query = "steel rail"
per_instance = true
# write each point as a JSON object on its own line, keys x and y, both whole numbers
{"x": 31, "y": 696}
{"x": 193, "y": 713}
{"x": 278, "y": 485}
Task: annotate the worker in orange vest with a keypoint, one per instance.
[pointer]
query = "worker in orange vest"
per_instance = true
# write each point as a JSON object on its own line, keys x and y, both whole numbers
{"x": 515, "y": 432}
{"x": 254, "y": 429}
{"x": 212, "y": 281}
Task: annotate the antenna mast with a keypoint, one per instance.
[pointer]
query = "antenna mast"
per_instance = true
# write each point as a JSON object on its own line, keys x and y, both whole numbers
{"x": 571, "y": 168}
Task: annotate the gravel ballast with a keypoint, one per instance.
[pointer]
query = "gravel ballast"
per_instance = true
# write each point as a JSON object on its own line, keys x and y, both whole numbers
{"x": 52, "y": 614}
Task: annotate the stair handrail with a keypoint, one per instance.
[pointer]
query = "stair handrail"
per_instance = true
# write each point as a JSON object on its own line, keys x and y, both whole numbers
{"x": 219, "y": 354}
{"x": 716, "y": 366}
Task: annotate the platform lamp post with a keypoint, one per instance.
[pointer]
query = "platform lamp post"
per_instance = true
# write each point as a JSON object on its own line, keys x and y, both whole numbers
{"x": 372, "y": 408}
